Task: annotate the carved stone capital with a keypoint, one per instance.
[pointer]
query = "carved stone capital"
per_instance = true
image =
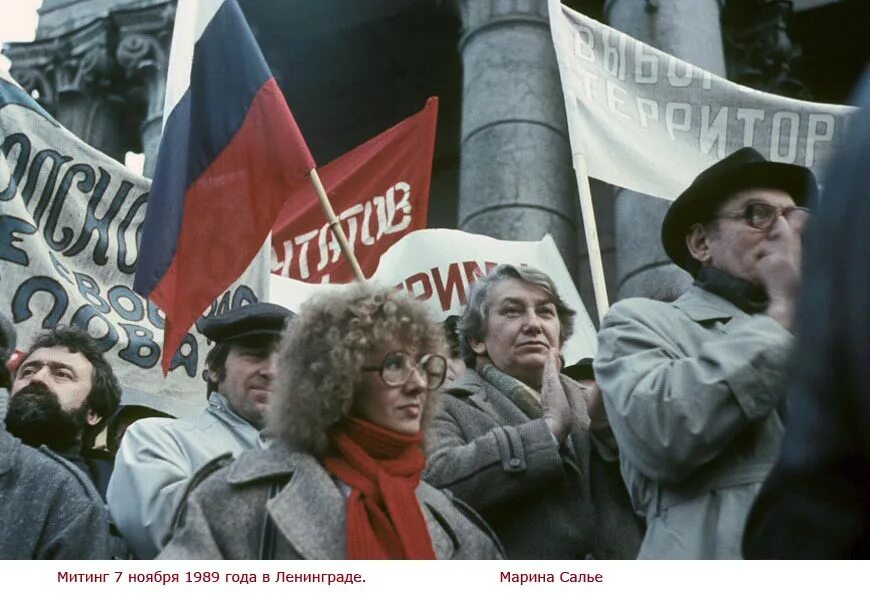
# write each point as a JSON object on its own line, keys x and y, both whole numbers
{"x": 39, "y": 84}
{"x": 144, "y": 37}
{"x": 759, "y": 52}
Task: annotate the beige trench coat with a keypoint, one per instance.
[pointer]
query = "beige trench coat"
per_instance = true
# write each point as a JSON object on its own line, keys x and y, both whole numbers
{"x": 691, "y": 390}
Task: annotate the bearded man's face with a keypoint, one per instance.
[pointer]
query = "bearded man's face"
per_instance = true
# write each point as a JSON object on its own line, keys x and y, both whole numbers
{"x": 48, "y": 400}
{"x": 34, "y": 416}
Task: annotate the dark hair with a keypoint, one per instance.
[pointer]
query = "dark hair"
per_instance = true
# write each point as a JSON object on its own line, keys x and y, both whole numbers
{"x": 472, "y": 325}
{"x": 5, "y": 376}
{"x": 216, "y": 364}
{"x": 105, "y": 393}
{"x": 451, "y": 334}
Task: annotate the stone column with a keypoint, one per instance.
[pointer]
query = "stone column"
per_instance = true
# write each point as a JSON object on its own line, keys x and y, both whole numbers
{"x": 516, "y": 180}
{"x": 692, "y": 32}
{"x": 143, "y": 52}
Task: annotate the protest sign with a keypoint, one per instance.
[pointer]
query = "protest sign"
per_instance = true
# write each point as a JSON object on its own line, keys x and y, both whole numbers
{"x": 650, "y": 122}
{"x": 379, "y": 191}
{"x": 437, "y": 266}
{"x": 70, "y": 219}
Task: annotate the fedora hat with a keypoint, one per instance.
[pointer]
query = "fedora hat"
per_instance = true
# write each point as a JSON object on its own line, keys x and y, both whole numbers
{"x": 746, "y": 168}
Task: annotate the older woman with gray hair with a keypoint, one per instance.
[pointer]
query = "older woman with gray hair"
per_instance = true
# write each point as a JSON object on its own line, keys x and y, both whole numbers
{"x": 512, "y": 436}
{"x": 357, "y": 372}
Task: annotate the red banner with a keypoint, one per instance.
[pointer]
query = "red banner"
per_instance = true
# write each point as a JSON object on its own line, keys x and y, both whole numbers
{"x": 380, "y": 193}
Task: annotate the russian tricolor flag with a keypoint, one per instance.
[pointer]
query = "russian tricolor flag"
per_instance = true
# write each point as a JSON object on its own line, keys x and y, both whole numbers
{"x": 231, "y": 153}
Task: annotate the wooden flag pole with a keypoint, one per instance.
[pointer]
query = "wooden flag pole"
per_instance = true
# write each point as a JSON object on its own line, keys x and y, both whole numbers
{"x": 335, "y": 226}
{"x": 598, "y": 284}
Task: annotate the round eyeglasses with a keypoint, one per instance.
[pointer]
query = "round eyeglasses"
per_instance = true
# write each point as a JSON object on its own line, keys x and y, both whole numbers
{"x": 761, "y": 215}
{"x": 397, "y": 367}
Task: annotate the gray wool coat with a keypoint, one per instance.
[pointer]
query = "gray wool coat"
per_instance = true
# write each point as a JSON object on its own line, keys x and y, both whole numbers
{"x": 48, "y": 507}
{"x": 691, "y": 389}
{"x": 543, "y": 501}
{"x": 226, "y": 514}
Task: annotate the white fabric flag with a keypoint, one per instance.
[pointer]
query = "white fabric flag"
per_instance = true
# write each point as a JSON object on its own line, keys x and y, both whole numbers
{"x": 437, "y": 266}
{"x": 69, "y": 225}
{"x": 650, "y": 122}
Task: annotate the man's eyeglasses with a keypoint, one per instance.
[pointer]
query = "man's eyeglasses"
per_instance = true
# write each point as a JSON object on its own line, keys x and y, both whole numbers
{"x": 398, "y": 366}
{"x": 761, "y": 215}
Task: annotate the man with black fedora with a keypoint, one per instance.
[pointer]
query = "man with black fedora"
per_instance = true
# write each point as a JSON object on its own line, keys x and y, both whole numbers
{"x": 158, "y": 457}
{"x": 693, "y": 388}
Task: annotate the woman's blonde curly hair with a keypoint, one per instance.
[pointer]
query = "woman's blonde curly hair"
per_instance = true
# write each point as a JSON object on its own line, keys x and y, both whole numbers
{"x": 322, "y": 352}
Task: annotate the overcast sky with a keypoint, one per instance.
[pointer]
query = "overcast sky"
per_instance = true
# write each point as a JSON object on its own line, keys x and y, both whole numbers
{"x": 17, "y": 22}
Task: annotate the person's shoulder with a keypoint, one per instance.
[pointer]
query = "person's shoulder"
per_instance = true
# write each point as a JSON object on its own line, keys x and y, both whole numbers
{"x": 52, "y": 470}
{"x": 251, "y": 466}
{"x": 155, "y": 430}
{"x": 469, "y": 384}
{"x": 646, "y": 312}
{"x": 639, "y": 306}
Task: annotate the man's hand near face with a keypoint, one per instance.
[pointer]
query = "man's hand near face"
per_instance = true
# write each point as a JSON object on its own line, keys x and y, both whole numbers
{"x": 779, "y": 269}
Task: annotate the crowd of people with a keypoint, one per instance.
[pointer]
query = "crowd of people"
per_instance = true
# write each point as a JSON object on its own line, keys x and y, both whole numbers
{"x": 729, "y": 422}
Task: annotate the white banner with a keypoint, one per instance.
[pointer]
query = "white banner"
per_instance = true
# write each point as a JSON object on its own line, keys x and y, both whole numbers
{"x": 650, "y": 122}
{"x": 437, "y": 266}
{"x": 69, "y": 228}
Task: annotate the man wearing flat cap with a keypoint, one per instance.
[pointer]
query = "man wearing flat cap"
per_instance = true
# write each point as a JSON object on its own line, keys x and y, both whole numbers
{"x": 158, "y": 457}
{"x": 693, "y": 388}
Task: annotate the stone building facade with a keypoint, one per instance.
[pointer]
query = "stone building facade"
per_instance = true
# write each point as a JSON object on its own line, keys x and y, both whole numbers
{"x": 503, "y": 163}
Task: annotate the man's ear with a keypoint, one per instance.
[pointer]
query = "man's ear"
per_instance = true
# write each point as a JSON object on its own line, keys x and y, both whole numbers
{"x": 698, "y": 243}
{"x": 93, "y": 418}
{"x": 211, "y": 376}
{"x": 478, "y": 347}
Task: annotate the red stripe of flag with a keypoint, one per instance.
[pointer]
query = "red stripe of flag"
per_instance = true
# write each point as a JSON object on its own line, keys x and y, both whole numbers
{"x": 229, "y": 210}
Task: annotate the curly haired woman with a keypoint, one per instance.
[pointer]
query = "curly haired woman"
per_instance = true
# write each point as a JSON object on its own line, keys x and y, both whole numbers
{"x": 358, "y": 369}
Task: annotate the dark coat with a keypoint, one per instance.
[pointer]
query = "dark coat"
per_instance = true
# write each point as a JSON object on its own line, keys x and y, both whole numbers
{"x": 226, "y": 514}
{"x": 543, "y": 501}
{"x": 48, "y": 508}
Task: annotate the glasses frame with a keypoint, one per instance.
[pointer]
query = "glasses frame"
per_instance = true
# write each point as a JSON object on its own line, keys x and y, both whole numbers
{"x": 415, "y": 364}
{"x": 779, "y": 211}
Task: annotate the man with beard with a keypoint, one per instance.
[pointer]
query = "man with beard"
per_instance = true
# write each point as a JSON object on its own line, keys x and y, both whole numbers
{"x": 62, "y": 392}
{"x": 158, "y": 458}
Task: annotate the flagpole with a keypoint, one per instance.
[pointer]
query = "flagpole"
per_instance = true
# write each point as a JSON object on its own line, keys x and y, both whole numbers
{"x": 335, "y": 225}
{"x": 591, "y": 229}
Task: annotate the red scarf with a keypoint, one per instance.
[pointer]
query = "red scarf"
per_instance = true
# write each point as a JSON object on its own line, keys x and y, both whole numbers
{"x": 383, "y": 468}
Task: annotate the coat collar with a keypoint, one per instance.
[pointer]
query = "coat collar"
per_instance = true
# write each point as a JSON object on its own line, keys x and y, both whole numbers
{"x": 472, "y": 387}
{"x": 310, "y": 510}
{"x": 701, "y": 305}
{"x": 219, "y": 407}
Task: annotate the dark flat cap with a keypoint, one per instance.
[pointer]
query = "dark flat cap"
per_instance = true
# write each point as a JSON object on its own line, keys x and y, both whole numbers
{"x": 262, "y": 318}
{"x": 744, "y": 169}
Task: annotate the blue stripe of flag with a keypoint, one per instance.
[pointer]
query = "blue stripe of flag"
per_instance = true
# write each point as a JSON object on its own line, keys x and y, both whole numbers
{"x": 228, "y": 69}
